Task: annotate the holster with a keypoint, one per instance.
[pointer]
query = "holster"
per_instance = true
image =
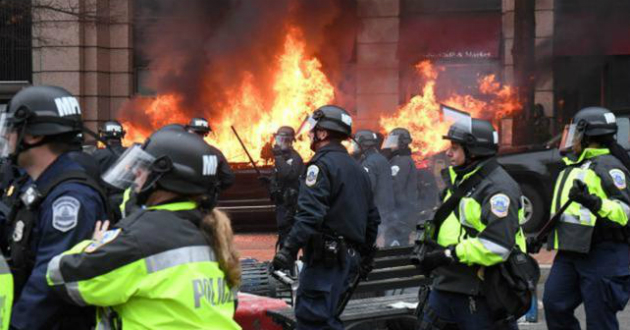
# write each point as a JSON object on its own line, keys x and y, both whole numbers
{"x": 329, "y": 250}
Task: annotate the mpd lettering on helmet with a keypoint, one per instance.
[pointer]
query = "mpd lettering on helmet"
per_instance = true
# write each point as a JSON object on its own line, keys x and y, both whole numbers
{"x": 210, "y": 163}
{"x": 67, "y": 106}
{"x": 113, "y": 128}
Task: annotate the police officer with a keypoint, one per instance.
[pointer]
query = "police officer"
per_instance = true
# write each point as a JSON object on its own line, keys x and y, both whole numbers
{"x": 403, "y": 170}
{"x": 591, "y": 265}
{"x": 171, "y": 265}
{"x": 54, "y": 207}
{"x": 112, "y": 132}
{"x": 288, "y": 166}
{"x": 226, "y": 177}
{"x": 380, "y": 173}
{"x": 480, "y": 231}
{"x": 336, "y": 222}
{"x": 6, "y": 294}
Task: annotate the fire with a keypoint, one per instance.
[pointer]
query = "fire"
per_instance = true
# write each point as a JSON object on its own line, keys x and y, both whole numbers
{"x": 421, "y": 114}
{"x": 299, "y": 87}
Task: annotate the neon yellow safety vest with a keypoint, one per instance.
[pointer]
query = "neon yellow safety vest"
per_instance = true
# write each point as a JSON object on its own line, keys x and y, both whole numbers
{"x": 478, "y": 230}
{"x": 606, "y": 178}
{"x": 154, "y": 270}
{"x": 6, "y": 294}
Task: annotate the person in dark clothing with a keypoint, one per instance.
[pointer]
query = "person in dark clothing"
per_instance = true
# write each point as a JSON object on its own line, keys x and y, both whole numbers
{"x": 201, "y": 127}
{"x": 55, "y": 206}
{"x": 112, "y": 132}
{"x": 380, "y": 173}
{"x": 405, "y": 187}
{"x": 284, "y": 183}
{"x": 336, "y": 223}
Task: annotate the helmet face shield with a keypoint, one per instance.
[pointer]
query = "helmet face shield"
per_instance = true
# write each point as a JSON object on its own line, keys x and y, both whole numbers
{"x": 284, "y": 142}
{"x": 131, "y": 169}
{"x": 354, "y": 148}
{"x": 307, "y": 126}
{"x": 8, "y": 140}
{"x": 570, "y": 137}
{"x": 391, "y": 142}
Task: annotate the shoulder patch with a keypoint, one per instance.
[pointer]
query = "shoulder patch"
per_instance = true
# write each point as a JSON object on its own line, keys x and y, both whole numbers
{"x": 65, "y": 213}
{"x": 366, "y": 169}
{"x": 108, "y": 236}
{"x": 311, "y": 175}
{"x": 395, "y": 170}
{"x": 499, "y": 205}
{"x": 619, "y": 178}
{"x": 290, "y": 161}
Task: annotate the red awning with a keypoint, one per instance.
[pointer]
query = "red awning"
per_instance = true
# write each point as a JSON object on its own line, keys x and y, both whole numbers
{"x": 589, "y": 33}
{"x": 475, "y": 35}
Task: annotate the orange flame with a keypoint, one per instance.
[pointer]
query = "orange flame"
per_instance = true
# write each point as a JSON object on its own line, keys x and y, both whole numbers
{"x": 421, "y": 114}
{"x": 299, "y": 87}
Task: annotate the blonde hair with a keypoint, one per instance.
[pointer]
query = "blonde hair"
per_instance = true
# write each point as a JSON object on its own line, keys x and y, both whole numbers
{"x": 217, "y": 229}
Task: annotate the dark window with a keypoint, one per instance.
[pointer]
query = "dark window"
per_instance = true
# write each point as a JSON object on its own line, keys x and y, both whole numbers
{"x": 15, "y": 40}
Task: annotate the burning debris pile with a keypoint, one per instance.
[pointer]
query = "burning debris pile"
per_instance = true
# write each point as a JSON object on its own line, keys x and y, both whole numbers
{"x": 421, "y": 114}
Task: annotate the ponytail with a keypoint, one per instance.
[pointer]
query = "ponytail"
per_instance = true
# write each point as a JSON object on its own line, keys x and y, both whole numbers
{"x": 617, "y": 150}
{"x": 217, "y": 229}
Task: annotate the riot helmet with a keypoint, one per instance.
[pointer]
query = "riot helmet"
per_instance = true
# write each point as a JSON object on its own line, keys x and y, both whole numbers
{"x": 284, "y": 137}
{"x": 162, "y": 163}
{"x": 330, "y": 118}
{"x": 588, "y": 122}
{"x": 398, "y": 138}
{"x": 199, "y": 126}
{"x": 477, "y": 136}
{"x": 112, "y": 130}
{"x": 363, "y": 140}
{"x": 48, "y": 111}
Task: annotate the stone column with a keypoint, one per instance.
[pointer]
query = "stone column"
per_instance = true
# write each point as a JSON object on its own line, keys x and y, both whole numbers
{"x": 544, "y": 52}
{"x": 377, "y": 64}
{"x": 508, "y": 41}
{"x": 87, "y": 52}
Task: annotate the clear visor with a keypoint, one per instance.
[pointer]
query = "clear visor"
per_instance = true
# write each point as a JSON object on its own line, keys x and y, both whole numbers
{"x": 284, "y": 142}
{"x": 307, "y": 125}
{"x": 7, "y": 140}
{"x": 391, "y": 142}
{"x": 354, "y": 148}
{"x": 131, "y": 169}
{"x": 453, "y": 116}
{"x": 569, "y": 137}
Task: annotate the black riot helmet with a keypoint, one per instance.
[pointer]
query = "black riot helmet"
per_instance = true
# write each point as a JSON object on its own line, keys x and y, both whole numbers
{"x": 48, "y": 111}
{"x": 166, "y": 165}
{"x": 112, "y": 130}
{"x": 284, "y": 137}
{"x": 588, "y": 122}
{"x": 398, "y": 138}
{"x": 366, "y": 138}
{"x": 331, "y": 118}
{"x": 199, "y": 126}
{"x": 479, "y": 139}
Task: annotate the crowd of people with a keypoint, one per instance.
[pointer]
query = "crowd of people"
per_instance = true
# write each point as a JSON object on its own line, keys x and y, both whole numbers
{"x": 131, "y": 238}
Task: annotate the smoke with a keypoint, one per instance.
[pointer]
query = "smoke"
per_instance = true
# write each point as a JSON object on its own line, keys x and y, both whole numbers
{"x": 200, "y": 50}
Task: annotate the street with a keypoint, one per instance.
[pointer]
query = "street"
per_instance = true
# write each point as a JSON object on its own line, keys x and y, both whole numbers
{"x": 260, "y": 247}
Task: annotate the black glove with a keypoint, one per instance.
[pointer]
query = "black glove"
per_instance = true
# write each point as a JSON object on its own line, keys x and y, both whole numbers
{"x": 277, "y": 151}
{"x": 438, "y": 257}
{"x": 580, "y": 194}
{"x": 533, "y": 245}
{"x": 284, "y": 259}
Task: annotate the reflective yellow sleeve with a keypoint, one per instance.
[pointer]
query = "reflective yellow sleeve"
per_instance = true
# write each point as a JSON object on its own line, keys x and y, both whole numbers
{"x": 481, "y": 252}
{"x": 614, "y": 210}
